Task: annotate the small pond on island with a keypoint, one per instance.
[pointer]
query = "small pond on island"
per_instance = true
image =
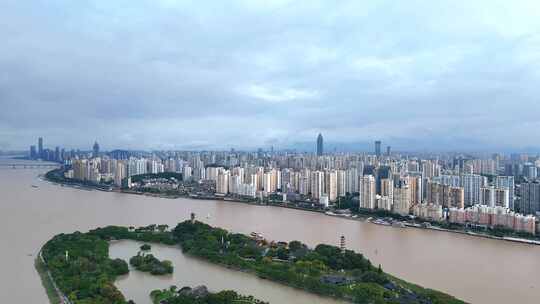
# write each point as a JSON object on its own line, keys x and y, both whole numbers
{"x": 190, "y": 271}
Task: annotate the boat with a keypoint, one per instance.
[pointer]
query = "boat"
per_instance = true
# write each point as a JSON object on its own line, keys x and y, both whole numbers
{"x": 398, "y": 225}
{"x": 381, "y": 222}
{"x": 34, "y": 186}
{"x": 426, "y": 225}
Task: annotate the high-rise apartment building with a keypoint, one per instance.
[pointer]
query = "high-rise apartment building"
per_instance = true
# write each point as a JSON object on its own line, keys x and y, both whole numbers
{"x": 79, "y": 169}
{"x": 387, "y": 188}
{"x": 187, "y": 173}
{"x": 317, "y": 184}
{"x": 487, "y": 196}
{"x": 402, "y": 199}
{"x": 415, "y": 187}
{"x": 331, "y": 185}
{"x": 222, "y": 183}
{"x": 352, "y": 180}
{"x": 529, "y": 202}
{"x": 120, "y": 173}
{"x": 507, "y": 182}
{"x": 341, "y": 183}
{"x": 493, "y": 197}
{"x": 471, "y": 184}
{"x": 456, "y": 197}
{"x": 502, "y": 198}
{"x": 367, "y": 192}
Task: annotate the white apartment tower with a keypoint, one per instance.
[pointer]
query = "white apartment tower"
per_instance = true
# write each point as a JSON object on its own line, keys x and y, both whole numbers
{"x": 367, "y": 192}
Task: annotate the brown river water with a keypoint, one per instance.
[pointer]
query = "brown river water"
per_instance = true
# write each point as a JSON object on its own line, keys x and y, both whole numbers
{"x": 474, "y": 269}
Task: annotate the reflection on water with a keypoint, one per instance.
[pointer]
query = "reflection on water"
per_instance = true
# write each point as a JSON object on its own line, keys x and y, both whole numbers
{"x": 189, "y": 271}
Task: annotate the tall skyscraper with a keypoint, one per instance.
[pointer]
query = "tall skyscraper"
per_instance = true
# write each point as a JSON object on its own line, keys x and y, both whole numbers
{"x": 388, "y": 150}
{"x": 95, "y": 149}
{"x": 378, "y": 148}
{"x": 40, "y": 147}
{"x": 319, "y": 145}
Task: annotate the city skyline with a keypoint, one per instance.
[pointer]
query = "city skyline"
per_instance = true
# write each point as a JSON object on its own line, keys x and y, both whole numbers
{"x": 41, "y": 150}
{"x": 457, "y": 189}
{"x": 319, "y": 147}
{"x": 387, "y": 71}
{"x": 278, "y": 151}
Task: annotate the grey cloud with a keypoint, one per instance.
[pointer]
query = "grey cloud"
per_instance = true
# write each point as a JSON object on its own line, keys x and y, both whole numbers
{"x": 185, "y": 74}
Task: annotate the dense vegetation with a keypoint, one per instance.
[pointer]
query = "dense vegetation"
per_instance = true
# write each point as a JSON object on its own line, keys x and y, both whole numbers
{"x": 167, "y": 175}
{"x": 148, "y": 234}
{"x": 200, "y": 295}
{"x": 325, "y": 270}
{"x": 81, "y": 267}
{"x": 87, "y": 275}
{"x": 46, "y": 281}
{"x": 146, "y": 247}
{"x": 149, "y": 263}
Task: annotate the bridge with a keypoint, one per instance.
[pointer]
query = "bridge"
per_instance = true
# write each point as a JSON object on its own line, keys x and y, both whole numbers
{"x": 28, "y": 166}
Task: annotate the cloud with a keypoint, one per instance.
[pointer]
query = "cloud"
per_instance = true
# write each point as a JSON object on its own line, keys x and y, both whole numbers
{"x": 186, "y": 74}
{"x": 277, "y": 95}
{"x": 389, "y": 66}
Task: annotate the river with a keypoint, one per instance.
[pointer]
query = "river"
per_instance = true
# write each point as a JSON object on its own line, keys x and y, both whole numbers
{"x": 474, "y": 269}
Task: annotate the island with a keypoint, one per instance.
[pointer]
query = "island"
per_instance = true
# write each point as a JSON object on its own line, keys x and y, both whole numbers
{"x": 81, "y": 268}
{"x": 146, "y": 247}
{"x": 149, "y": 263}
{"x": 199, "y": 295}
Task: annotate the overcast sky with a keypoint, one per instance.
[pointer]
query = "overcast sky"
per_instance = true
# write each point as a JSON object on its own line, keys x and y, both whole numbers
{"x": 245, "y": 74}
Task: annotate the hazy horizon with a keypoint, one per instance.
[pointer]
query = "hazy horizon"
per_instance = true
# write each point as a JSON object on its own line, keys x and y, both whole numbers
{"x": 168, "y": 75}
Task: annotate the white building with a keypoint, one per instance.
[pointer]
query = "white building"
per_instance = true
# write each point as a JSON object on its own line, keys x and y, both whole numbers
{"x": 317, "y": 184}
{"x": 187, "y": 173}
{"x": 367, "y": 192}
{"x": 222, "y": 183}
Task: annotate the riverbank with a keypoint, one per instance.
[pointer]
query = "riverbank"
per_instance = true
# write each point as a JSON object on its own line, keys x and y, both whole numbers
{"x": 55, "y": 295}
{"x": 403, "y": 224}
{"x": 46, "y": 281}
{"x": 364, "y": 216}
